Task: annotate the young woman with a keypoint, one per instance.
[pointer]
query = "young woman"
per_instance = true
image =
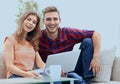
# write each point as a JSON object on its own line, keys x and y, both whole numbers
{"x": 21, "y": 48}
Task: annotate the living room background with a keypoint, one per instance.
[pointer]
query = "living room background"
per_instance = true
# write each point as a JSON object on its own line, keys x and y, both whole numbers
{"x": 99, "y": 15}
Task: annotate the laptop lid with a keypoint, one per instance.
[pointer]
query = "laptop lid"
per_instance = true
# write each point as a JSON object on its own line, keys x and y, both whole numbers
{"x": 67, "y": 60}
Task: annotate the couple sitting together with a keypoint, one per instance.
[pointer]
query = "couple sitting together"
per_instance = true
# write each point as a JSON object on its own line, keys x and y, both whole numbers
{"x": 29, "y": 44}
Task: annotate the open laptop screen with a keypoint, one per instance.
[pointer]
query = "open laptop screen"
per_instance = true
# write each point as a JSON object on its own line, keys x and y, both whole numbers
{"x": 67, "y": 60}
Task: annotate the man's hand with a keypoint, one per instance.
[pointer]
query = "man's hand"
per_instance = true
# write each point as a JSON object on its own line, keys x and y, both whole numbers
{"x": 95, "y": 65}
{"x": 63, "y": 74}
{"x": 95, "y": 62}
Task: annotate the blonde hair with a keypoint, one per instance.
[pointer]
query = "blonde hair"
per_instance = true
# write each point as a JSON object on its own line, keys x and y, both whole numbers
{"x": 33, "y": 36}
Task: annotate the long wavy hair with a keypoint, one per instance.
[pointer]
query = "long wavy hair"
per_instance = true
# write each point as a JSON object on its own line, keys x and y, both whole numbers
{"x": 33, "y": 36}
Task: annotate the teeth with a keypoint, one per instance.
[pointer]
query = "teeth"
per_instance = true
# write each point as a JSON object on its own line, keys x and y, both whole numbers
{"x": 28, "y": 27}
{"x": 52, "y": 26}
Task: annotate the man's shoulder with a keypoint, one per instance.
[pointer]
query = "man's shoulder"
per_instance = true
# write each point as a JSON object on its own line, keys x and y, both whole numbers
{"x": 66, "y": 28}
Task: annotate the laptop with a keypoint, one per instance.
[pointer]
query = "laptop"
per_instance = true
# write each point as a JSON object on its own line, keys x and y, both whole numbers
{"x": 67, "y": 60}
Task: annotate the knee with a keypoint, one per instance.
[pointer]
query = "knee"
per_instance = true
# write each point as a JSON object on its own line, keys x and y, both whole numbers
{"x": 86, "y": 42}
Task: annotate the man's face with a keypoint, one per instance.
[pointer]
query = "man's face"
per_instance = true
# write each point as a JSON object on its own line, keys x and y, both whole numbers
{"x": 51, "y": 21}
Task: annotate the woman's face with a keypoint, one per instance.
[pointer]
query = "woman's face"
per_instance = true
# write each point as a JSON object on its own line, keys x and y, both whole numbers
{"x": 30, "y": 23}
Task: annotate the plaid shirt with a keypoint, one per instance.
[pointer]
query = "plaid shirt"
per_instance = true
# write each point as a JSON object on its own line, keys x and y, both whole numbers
{"x": 67, "y": 38}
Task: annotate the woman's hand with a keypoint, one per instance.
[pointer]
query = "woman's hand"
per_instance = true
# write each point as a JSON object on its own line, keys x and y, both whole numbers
{"x": 31, "y": 74}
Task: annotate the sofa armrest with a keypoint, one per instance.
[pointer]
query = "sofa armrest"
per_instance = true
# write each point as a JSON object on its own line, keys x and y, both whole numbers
{"x": 116, "y": 69}
{"x": 2, "y": 66}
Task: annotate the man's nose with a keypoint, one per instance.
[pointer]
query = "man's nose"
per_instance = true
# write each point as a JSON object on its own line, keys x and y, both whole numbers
{"x": 52, "y": 21}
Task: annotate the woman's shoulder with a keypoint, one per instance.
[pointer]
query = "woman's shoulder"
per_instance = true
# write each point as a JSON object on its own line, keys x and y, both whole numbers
{"x": 10, "y": 39}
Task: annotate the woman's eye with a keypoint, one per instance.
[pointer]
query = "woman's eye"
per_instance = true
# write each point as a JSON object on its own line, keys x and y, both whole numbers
{"x": 34, "y": 22}
{"x": 28, "y": 19}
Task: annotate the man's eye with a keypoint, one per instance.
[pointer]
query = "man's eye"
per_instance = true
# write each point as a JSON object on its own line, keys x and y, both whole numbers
{"x": 48, "y": 19}
{"x": 55, "y": 19}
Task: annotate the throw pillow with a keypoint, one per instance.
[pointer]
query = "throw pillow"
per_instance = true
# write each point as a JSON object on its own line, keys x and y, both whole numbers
{"x": 106, "y": 60}
{"x": 2, "y": 67}
{"x": 116, "y": 69}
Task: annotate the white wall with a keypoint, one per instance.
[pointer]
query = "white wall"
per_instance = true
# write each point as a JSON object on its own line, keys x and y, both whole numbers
{"x": 100, "y": 15}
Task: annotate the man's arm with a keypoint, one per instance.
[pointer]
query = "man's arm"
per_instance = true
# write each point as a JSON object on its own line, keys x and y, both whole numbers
{"x": 95, "y": 63}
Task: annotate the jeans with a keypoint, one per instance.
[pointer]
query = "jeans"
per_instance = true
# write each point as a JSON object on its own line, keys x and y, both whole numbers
{"x": 82, "y": 71}
{"x": 84, "y": 60}
{"x": 15, "y": 76}
{"x": 74, "y": 75}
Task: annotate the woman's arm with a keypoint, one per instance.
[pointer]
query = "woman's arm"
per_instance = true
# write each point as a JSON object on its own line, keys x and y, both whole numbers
{"x": 39, "y": 62}
{"x": 9, "y": 58}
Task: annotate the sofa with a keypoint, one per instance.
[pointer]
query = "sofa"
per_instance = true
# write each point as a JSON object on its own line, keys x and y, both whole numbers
{"x": 109, "y": 74}
{"x": 114, "y": 76}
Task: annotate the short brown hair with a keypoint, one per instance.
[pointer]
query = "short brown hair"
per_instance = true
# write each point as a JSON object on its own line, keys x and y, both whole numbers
{"x": 50, "y": 9}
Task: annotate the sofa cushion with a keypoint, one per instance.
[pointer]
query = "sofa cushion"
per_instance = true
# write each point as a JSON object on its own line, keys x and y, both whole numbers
{"x": 109, "y": 82}
{"x": 106, "y": 59}
{"x": 2, "y": 66}
{"x": 116, "y": 70}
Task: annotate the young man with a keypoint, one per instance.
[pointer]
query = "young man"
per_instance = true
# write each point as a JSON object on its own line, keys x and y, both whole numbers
{"x": 55, "y": 40}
